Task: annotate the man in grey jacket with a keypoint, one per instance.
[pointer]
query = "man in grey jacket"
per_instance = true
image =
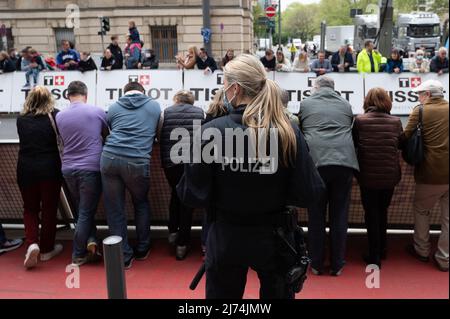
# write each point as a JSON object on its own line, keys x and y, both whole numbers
{"x": 326, "y": 120}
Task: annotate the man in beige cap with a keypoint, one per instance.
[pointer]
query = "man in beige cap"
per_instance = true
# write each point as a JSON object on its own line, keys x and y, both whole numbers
{"x": 431, "y": 175}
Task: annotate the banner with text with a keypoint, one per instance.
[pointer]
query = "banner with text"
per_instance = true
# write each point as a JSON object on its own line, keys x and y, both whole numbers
{"x": 400, "y": 88}
{"x": 56, "y": 83}
{"x": 349, "y": 85}
{"x": 161, "y": 85}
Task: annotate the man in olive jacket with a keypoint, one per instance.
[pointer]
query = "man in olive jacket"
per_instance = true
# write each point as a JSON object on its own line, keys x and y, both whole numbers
{"x": 326, "y": 120}
{"x": 431, "y": 175}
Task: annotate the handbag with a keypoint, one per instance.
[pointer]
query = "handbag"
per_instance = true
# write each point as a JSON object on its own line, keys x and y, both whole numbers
{"x": 413, "y": 150}
{"x": 59, "y": 141}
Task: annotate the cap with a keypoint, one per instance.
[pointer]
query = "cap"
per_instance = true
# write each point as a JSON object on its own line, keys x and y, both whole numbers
{"x": 433, "y": 86}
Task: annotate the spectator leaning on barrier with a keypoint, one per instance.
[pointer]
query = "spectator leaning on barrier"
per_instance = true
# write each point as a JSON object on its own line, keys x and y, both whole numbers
{"x": 87, "y": 63}
{"x": 116, "y": 51}
{"x": 14, "y": 56}
{"x": 431, "y": 175}
{"x": 188, "y": 62}
{"x": 149, "y": 61}
{"x": 301, "y": 64}
{"x": 8, "y": 244}
{"x": 439, "y": 64}
{"x": 109, "y": 62}
{"x": 420, "y": 64}
{"x": 32, "y": 64}
{"x": 81, "y": 166}
{"x": 132, "y": 54}
{"x": 342, "y": 60}
{"x": 369, "y": 59}
{"x": 376, "y": 135}
{"x": 227, "y": 58}
{"x": 181, "y": 115}
{"x": 125, "y": 164}
{"x": 67, "y": 58}
{"x": 39, "y": 175}
{"x": 394, "y": 63}
{"x": 283, "y": 64}
{"x": 6, "y": 64}
{"x": 326, "y": 120}
{"x": 269, "y": 61}
{"x": 321, "y": 65}
{"x": 205, "y": 62}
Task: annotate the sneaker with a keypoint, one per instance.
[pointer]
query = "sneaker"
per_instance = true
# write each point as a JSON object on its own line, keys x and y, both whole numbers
{"x": 93, "y": 253}
{"x": 181, "y": 252}
{"x": 141, "y": 255}
{"x": 412, "y": 251}
{"x": 10, "y": 244}
{"x": 129, "y": 263}
{"x": 27, "y": 86}
{"x": 31, "y": 257}
{"x": 172, "y": 238}
{"x": 316, "y": 272}
{"x": 438, "y": 265}
{"x": 55, "y": 252}
{"x": 79, "y": 261}
{"x": 337, "y": 273}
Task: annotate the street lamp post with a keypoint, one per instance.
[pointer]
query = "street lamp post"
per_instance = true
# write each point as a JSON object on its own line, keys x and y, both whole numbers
{"x": 279, "y": 23}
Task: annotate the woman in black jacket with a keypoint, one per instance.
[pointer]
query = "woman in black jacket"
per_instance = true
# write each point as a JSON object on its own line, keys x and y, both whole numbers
{"x": 39, "y": 175}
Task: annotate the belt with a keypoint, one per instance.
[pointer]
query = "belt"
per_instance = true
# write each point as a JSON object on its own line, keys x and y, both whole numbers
{"x": 284, "y": 218}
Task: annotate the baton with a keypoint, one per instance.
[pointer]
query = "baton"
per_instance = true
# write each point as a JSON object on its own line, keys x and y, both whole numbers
{"x": 198, "y": 277}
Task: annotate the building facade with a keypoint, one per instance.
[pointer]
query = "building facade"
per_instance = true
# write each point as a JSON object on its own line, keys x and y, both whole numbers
{"x": 167, "y": 26}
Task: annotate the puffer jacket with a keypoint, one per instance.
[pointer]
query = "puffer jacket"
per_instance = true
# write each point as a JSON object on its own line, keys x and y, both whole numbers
{"x": 376, "y": 136}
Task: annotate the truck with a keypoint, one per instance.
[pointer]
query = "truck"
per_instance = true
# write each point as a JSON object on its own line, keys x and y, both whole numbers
{"x": 337, "y": 36}
{"x": 417, "y": 29}
{"x": 366, "y": 28}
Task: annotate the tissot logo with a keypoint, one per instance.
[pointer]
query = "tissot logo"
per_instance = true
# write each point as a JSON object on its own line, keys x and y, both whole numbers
{"x": 409, "y": 82}
{"x": 220, "y": 79}
{"x": 57, "y": 80}
{"x": 144, "y": 80}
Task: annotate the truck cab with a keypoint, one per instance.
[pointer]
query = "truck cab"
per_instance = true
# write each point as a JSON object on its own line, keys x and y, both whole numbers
{"x": 416, "y": 30}
{"x": 366, "y": 28}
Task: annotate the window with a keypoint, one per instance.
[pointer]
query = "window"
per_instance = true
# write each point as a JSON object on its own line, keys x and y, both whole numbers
{"x": 164, "y": 42}
{"x": 64, "y": 34}
{"x": 423, "y": 31}
{"x": 6, "y": 39}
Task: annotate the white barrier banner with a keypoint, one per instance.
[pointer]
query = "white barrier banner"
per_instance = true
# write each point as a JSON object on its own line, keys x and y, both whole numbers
{"x": 6, "y": 91}
{"x": 349, "y": 85}
{"x": 400, "y": 88}
{"x": 161, "y": 85}
{"x": 56, "y": 83}
{"x": 204, "y": 86}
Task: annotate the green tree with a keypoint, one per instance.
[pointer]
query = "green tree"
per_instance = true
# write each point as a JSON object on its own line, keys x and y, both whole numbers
{"x": 258, "y": 29}
{"x": 300, "y": 21}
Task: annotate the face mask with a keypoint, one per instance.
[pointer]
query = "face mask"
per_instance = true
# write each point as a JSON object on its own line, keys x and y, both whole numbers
{"x": 420, "y": 57}
{"x": 226, "y": 102}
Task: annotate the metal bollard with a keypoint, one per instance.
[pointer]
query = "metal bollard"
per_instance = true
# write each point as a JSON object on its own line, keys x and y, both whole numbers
{"x": 114, "y": 265}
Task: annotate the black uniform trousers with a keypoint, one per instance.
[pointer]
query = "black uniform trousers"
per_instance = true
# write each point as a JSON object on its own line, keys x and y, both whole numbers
{"x": 180, "y": 215}
{"x": 231, "y": 250}
{"x": 376, "y": 203}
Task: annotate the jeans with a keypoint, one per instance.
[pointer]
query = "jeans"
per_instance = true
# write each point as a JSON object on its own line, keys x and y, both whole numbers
{"x": 338, "y": 182}
{"x": 118, "y": 174}
{"x": 376, "y": 203}
{"x": 2, "y": 235}
{"x": 34, "y": 73}
{"x": 41, "y": 197}
{"x": 85, "y": 188}
{"x": 180, "y": 215}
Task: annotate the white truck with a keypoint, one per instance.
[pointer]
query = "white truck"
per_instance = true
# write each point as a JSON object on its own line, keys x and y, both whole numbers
{"x": 366, "y": 27}
{"x": 337, "y": 36}
{"x": 418, "y": 29}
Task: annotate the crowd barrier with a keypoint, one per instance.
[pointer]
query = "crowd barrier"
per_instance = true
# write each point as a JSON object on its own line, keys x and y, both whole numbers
{"x": 11, "y": 206}
{"x": 105, "y": 87}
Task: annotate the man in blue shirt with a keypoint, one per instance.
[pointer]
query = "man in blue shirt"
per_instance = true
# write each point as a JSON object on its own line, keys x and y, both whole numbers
{"x": 67, "y": 58}
{"x": 321, "y": 66}
{"x": 125, "y": 164}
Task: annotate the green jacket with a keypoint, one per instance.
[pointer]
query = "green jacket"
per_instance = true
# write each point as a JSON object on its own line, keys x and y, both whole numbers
{"x": 326, "y": 120}
{"x": 363, "y": 62}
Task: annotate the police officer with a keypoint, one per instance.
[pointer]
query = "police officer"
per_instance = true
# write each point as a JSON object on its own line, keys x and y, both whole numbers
{"x": 249, "y": 194}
